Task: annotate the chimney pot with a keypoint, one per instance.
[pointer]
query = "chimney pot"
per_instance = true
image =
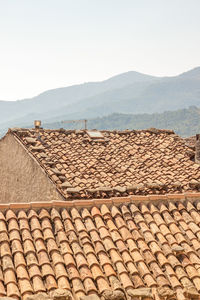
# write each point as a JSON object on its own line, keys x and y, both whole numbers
{"x": 37, "y": 124}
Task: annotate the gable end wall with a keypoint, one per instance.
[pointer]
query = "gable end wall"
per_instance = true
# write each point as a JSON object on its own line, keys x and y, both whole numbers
{"x": 21, "y": 177}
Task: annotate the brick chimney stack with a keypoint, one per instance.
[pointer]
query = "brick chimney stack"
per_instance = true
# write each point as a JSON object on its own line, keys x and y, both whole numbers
{"x": 197, "y": 149}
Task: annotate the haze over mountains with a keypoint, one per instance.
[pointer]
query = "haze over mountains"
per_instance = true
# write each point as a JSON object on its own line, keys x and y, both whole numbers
{"x": 131, "y": 92}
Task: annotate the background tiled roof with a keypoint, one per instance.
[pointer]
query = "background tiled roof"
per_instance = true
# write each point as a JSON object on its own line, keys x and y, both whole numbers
{"x": 123, "y": 163}
{"x": 109, "y": 250}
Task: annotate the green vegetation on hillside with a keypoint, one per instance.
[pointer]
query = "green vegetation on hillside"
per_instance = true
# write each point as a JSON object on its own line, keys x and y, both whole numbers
{"x": 185, "y": 122}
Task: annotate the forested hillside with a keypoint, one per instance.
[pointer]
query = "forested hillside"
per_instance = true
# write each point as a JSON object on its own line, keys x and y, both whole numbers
{"x": 185, "y": 122}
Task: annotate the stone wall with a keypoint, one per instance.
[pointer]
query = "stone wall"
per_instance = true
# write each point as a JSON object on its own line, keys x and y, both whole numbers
{"x": 21, "y": 177}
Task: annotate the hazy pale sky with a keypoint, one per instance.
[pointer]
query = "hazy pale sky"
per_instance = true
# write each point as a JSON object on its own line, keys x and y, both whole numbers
{"x": 46, "y": 44}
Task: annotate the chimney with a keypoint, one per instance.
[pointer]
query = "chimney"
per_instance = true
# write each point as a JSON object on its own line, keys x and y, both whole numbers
{"x": 37, "y": 124}
{"x": 197, "y": 149}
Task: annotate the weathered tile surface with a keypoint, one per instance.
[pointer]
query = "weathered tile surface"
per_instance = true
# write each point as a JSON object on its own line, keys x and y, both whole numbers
{"x": 115, "y": 251}
{"x": 123, "y": 163}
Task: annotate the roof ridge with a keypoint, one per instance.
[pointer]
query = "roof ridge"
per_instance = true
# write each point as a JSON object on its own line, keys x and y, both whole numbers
{"x": 150, "y": 130}
{"x": 117, "y": 201}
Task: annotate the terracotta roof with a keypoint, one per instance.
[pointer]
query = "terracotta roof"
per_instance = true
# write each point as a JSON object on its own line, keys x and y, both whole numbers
{"x": 126, "y": 247}
{"x": 123, "y": 163}
{"x": 190, "y": 141}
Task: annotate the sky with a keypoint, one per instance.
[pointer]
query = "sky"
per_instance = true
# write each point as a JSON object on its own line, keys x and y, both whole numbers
{"x": 45, "y": 44}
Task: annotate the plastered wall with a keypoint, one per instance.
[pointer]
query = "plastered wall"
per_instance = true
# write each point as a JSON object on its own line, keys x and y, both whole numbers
{"x": 21, "y": 177}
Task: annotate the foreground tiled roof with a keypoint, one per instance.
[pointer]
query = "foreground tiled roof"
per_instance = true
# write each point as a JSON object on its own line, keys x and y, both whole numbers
{"x": 123, "y": 163}
{"x": 114, "y": 250}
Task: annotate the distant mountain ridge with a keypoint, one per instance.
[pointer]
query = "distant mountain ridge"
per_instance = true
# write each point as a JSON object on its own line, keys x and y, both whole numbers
{"x": 130, "y": 92}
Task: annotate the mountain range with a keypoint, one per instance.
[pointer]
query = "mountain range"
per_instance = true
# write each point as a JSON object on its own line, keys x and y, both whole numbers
{"x": 127, "y": 93}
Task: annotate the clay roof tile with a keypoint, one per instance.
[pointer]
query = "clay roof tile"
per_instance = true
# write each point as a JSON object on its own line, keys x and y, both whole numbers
{"x": 63, "y": 283}
{"x": 7, "y": 263}
{"x": 75, "y": 214}
{"x": 153, "y": 209}
{"x": 35, "y": 224}
{"x": 14, "y": 235}
{"x": 28, "y": 247}
{"x": 115, "y": 211}
{"x": 126, "y": 282}
{"x": 19, "y": 259}
{"x": 47, "y": 270}
{"x": 60, "y": 270}
{"x": 51, "y": 283}
{"x": 22, "y": 215}
{"x": 134, "y": 208}
{"x": 109, "y": 271}
{"x": 16, "y": 246}
{"x": 13, "y": 225}
{"x": 163, "y": 208}
{"x": 32, "y": 213}
{"x": 25, "y": 286}
{"x": 180, "y": 206}
{"x": 102, "y": 285}
{"x": 10, "y": 215}
{"x": 85, "y": 213}
{"x": 9, "y": 276}
{"x": 12, "y": 290}
{"x": 38, "y": 285}
{"x": 26, "y": 235}
{"x": 5, "y": 249}
{"x": 189, "y": 206}
{"x": 144, "y": 208}
{"x": 44, "y": 214}
{"x": 105, "y": 210}
{"x": 125, "y": 210}
{"x": 56, "y": 257}
{"x": 46, "y": 224}
{"x": 21, "y": 272}
{"x": 51, "y": 245}
{"x": 65, "y": 215}
{"x": 172, "y": 206}
{"x": 95, "y": 211}
{"x": 55, "y": 214}
{"x": 47, "y": 234}
{"x": 23, "y": 224}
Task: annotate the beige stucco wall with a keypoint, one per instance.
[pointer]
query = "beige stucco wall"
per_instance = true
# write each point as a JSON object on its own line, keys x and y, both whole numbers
{"x": 21, "y": 177}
